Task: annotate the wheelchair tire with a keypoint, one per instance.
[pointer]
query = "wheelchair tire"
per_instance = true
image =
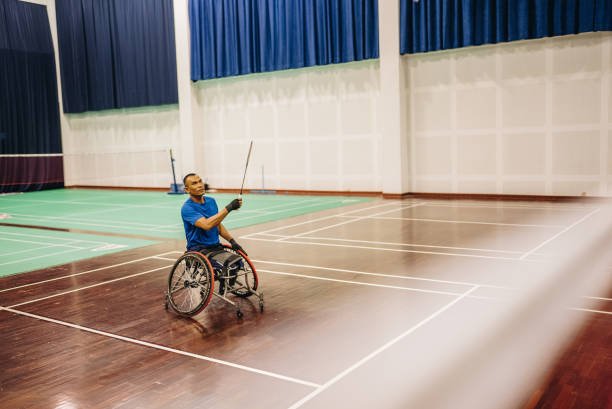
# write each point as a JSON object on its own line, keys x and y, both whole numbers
{"x": 250, "y": 275}
{"x": 190, "y": 284}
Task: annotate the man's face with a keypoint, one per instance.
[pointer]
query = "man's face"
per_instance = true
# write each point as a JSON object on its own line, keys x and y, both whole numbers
{"x": 194, "y": 185}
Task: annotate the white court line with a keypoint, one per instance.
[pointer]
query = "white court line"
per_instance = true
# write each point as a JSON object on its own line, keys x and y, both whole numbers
{"x": 167, "y": 228}
{"x": 90, "y": 286}
{"x": 163, "y": 348}
{"x": 75, "y": 221}
{"x": 529, "y": 207}
{"x": 100, "y": 222}
{"x": 386, "y": 249}
{"x": 395, "y": 287}
{"x": 33, "y": 249}
{"x": 41, "y": 256}
{"x": 327, "y": 217}
{"x": 83, "y": 272}
{"x": 433, "y": 280}
{"x": 291, "y": 209}
{"x": 39, "y": 242}
{"x": 587, "y": 310}
{"x": 465, "y": 222}
{"x": 357, "y": 219}
{"x": 39, "y": 236}
{"x": 155, "y": 227}
{"x": 163, "y": 258}
{"x": 393, "y": 243}
{"x": 378, "y": 351}
{"x": 384, "y": 275}
{"x": 20, "y": 199}
{"x": 601, "y": 298}
{"x": 560, "y": 233}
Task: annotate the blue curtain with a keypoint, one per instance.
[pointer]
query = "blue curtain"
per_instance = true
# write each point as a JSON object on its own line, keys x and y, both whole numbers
{"x": 116, "y": 53}
{"x": 430, "y": 25}
{"x": 235, "y": 37}
{"x": 29, "y": 108}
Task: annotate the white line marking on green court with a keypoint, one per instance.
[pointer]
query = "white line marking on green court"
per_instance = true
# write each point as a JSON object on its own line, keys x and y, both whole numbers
{"x": 163, "y": 348}
{"x": 73, "y": 218}
{"x": 75, "y": 221}
{"x": 40, "y": 236}
{"x": 41, "y": 256}
{"x": 31, "y": 249}
{"x": 293, "y": 209}
{"x": 85, "y": 272}
{"x": 38, "y": 242}
{"x": 378, "y": 351}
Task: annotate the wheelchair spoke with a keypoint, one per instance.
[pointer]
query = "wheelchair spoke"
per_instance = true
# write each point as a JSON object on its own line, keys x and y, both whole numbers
{"x": 189, "y": 284}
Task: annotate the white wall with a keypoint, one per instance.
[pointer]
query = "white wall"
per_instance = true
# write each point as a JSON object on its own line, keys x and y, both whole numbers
{"x": 530, "y": 117}
{"x": 313, "y": 129}
{"x": 124, "y": 147}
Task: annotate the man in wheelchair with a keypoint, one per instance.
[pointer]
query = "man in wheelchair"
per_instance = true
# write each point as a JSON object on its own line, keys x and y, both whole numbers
{"x": 191, "y": 282}
{"x": 202, "y": 218}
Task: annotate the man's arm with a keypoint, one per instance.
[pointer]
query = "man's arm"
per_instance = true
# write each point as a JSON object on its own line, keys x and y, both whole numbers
{"x": 224, "y": 233}
{"x": 227, "y": 236}
{"x": 207, "y": 223}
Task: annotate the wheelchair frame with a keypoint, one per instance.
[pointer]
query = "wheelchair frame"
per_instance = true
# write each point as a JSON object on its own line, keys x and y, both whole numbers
{"x": 195, "y": 273}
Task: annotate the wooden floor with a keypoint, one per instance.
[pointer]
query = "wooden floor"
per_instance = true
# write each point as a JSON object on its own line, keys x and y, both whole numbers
{"x": 582, "y": 376}
{"x": 364, "y": 306}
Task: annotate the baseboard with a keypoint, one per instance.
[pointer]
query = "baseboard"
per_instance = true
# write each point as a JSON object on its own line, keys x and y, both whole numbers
{"x": 304, "y": 192}
{"x": 152, "y": 189}
{"x": 394, "y": 196}
{"x": 491, "y": 196}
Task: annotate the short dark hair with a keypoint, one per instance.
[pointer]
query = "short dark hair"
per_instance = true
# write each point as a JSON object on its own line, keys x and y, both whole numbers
{"x": 185, "y": 178}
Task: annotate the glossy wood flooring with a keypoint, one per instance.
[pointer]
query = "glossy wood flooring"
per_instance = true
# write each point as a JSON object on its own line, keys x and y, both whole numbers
{"x": 378, "y": 304}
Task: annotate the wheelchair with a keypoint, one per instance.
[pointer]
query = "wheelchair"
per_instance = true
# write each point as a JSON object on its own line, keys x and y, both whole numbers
{"x": 191, "y": 284}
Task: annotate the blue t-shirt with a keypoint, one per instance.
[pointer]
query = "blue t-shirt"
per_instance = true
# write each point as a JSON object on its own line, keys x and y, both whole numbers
{"x": 191, "y": 212}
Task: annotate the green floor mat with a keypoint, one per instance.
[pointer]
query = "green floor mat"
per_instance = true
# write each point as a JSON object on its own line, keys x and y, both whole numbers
{"x": 26, "y": 249}
{"x": 154, "y": 214}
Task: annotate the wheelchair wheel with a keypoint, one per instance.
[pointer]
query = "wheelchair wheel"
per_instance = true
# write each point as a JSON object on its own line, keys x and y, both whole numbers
{"x": 246, "y": 280}
{"x": 191, "y": 284}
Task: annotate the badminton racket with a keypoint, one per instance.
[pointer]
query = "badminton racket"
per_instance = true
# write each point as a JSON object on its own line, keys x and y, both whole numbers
{"x": 245, "y": 168}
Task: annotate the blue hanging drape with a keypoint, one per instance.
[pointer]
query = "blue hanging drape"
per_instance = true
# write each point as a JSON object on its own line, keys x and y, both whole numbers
{"x": 430, "y": 25}
{"x": 234, "y": 37}
{"x": 29, "y": 108}
{"x": 116, "y": 53}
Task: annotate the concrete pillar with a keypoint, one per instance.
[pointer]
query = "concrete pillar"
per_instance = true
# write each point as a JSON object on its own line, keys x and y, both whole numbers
{"x": 395, "y": 138}
{"x": 183, "y": 147}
